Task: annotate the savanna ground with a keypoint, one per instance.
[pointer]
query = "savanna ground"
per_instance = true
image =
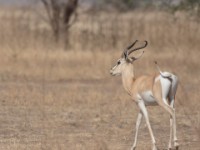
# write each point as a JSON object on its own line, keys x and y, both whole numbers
{"x": 57, "y": 99}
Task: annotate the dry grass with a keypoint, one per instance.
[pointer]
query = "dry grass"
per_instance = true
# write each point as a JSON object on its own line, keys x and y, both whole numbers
{"x": 56, "y": 99}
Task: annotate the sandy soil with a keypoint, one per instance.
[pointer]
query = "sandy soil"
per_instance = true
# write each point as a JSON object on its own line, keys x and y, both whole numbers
{"x": 81, "y": 115}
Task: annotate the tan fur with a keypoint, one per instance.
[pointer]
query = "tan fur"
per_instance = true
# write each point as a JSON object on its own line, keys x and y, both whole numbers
{"x": 147, "y": 90}
{"x": 136, "y": 85}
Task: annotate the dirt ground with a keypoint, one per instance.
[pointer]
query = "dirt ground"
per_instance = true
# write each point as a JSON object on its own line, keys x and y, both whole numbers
{"x": 60, "y": 115}
{"x": 53, "y": 99}
{"x": 56, "y": 101}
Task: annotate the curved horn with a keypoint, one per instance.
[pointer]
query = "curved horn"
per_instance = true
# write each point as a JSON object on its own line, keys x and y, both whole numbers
{"x": 125, "y": 52}
{"x": 135, "y": 49}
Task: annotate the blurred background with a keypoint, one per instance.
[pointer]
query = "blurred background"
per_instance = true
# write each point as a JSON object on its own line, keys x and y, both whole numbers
{"x": 55, "y": 87}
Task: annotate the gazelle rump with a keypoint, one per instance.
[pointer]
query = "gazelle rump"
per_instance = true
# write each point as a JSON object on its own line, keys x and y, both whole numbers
{"x": 145, "y": 90}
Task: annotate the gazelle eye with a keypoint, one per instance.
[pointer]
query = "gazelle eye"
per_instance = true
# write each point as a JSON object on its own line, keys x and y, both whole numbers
{"x": 118, "y": 62}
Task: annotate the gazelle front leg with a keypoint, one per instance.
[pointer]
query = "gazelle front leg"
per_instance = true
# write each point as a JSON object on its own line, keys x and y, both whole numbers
{"x": 145, "y": 113}
{"x": 138, "y": 122}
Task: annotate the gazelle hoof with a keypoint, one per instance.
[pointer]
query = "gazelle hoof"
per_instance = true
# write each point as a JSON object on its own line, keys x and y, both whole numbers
{"x": 177, "y": 147}
{"x": 133, "y": 148}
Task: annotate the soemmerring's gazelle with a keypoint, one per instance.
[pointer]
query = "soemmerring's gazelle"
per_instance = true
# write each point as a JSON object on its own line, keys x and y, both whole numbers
{"x": 145, "y": 90}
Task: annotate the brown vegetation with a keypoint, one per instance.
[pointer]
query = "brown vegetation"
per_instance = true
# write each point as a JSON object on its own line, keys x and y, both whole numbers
{"x": 56, "y": 99}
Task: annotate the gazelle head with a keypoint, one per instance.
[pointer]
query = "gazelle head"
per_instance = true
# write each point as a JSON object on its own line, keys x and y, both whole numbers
{"x": 125, "y": 60}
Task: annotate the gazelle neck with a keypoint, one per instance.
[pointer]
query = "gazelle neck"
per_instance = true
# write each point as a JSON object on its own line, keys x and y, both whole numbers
{"x": 128, "y": 77}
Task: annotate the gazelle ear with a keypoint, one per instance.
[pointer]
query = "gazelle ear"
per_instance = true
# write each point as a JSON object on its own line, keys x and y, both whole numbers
{"x": 132, "y": 59}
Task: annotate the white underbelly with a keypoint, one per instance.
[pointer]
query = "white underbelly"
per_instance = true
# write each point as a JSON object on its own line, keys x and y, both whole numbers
{"x": 148, "y": 98}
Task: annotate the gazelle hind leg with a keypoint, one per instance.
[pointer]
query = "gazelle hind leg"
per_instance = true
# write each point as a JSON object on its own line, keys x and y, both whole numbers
{"x": 170, "y": 136}
{"x": 172, "y": 100}
{"x": 176, "y": 144}
{"x": 173, "y": 125}
{"x": 161, "y": 95}
{"x": 167, "y": 90}
{"x": 171, "y": 111}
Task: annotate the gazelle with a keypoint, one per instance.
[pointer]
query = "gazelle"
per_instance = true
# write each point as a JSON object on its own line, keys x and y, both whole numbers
{"x": 146, "y": 90}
